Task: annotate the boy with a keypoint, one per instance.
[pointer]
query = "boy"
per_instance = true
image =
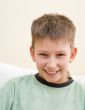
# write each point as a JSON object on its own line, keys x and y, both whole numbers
{"x": 51, "y": 89}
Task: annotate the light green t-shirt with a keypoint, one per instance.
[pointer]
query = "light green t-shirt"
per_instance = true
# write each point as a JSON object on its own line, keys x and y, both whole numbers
{"x": 28, "y": 93}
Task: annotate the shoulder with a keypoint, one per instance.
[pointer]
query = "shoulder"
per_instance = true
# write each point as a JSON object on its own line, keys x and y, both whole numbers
{"x": 79, "y": 86}
{"x": 22, "y": 80}
{"x": 13, "y": 88}
{"x": 80, "y": 80}
{"x": 15, "y": 83}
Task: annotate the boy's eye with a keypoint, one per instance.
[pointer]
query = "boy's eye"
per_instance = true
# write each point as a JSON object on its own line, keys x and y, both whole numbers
{"x": 61, "y": 55}
{"x": 43, "y": 54}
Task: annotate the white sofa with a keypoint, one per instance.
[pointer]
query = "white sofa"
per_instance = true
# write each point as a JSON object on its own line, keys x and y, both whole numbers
{"x": 8, "y": 71}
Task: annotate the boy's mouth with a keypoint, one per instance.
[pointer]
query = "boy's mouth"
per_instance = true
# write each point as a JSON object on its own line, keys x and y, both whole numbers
{"x": 51, "y": 73}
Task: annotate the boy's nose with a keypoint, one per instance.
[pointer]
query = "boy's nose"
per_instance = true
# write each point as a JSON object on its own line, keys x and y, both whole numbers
{"x": 52, "y": 64}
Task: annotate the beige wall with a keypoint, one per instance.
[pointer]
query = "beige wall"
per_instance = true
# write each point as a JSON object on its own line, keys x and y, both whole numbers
{"x": 15, "y": 19}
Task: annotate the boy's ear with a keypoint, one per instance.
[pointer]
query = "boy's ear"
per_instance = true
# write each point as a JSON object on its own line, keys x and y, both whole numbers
{"x": 73, "y": 54}
{"x": 32, "y": 53}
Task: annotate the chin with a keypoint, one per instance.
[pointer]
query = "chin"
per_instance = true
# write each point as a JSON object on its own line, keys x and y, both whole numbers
{"x": 52, "y": 80}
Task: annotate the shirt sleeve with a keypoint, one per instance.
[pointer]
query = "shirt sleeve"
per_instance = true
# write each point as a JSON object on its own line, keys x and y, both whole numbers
{"x": 7, "y": 96}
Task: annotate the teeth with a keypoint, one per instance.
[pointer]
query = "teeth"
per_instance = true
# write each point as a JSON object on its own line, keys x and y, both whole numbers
{"x": 51, "y": 72}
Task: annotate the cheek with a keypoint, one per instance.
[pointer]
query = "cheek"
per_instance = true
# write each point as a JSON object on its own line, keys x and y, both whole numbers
{"x": 40, "y": 62}
{"x": 64, "y": 63}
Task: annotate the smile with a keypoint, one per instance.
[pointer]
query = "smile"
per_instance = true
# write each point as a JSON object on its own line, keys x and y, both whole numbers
{"x": 51, "y": 73}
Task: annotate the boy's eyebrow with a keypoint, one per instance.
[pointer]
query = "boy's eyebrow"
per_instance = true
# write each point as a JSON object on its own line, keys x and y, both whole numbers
{"x": 57, "y": 51}
{"x": 42, "y": 51}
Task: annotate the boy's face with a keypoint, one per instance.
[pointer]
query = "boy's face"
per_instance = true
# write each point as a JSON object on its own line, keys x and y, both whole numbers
{"x": 52, "y": 59}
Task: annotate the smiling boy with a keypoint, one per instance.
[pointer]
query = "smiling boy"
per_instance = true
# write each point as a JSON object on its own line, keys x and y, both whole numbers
{"x": 52, "y": 50}
{"x": 53, "y": 47}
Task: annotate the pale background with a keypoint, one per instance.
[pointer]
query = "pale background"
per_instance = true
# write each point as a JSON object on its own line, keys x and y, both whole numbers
{"x": 16, "y": 17}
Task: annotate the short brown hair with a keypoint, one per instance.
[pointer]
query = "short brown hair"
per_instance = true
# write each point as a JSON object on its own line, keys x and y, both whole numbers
{"x": 53, "y": 26}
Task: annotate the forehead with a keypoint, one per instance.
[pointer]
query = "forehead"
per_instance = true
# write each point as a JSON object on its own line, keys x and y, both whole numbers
{"x": 51, "y": 45}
